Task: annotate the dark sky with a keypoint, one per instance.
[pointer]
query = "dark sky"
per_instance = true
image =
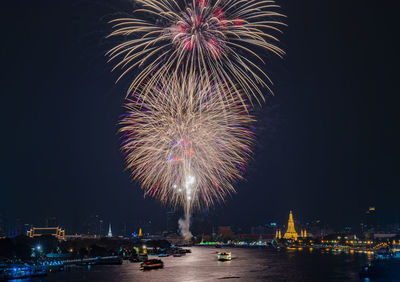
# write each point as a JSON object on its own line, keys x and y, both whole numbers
{"x": 328, "y": 141}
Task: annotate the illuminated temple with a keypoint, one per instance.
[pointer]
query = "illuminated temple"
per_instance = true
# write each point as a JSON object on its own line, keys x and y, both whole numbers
{"x": 291, "y": 232}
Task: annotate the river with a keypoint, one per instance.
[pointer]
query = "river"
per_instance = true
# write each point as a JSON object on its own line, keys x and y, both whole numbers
{"x": 246, "y": 265}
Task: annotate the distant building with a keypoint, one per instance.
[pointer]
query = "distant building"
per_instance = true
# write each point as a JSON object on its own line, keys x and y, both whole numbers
{"x": 123, "y": 229}
{"x": 225, "y": 231}
{"x": 176, "y": 240}
{"x": 19, "y": 227}
{"x": 259, "y": 230}
{"x": 172, "y": 222}
{"x": 51, "y": 221}
{"x": 3, "y": 231}
{"x": 81, "y": 236}
{"x": 383, "y": 236}
{"x": 53, "y": 231}
{"x": 255, "y": 237}
{"x": 148, "y": 227}
{"x": 291, "y": 231}
{"x": 94, "y": 226}
{"x": 370, "y": 221}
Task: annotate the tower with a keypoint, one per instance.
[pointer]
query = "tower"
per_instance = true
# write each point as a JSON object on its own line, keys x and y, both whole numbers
{"x": 109, "y": 231}
{"x": 291, "y": 232}
{"x": 140, "y": 232}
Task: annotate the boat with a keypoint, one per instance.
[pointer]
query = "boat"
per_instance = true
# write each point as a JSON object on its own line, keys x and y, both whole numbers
{"x": 396, "y": 254}
{"x": 163, "y": 255}
{"x": 383, "y": 254}
{"x": 113, "y": 260}
{"x": 224, "y": 256}
{"x": 151, "y": 264}
{"x": 21, "y": 271}
{"x": 177, "y": 255}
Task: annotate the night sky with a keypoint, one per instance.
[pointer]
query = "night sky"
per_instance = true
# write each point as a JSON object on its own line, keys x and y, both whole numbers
{"x": 327, "y": 142}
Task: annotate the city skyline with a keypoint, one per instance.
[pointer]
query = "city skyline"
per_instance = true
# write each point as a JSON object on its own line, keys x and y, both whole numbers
{"x": 203, "y": 223}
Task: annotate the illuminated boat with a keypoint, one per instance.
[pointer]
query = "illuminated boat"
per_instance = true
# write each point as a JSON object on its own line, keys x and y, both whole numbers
{"x": 151, "y": 264}
{"x": 396, "y": 254}
{"x": 224, "y": 256}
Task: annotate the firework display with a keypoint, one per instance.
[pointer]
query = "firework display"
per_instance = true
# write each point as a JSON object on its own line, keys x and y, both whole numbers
{"x": 186, "y": 133}
{"x": 220, "y": 40}
{"x": 184, "y": 144}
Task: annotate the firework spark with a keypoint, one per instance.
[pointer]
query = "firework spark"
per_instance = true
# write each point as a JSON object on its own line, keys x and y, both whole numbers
{"x": 184, "y": 144}
{"x": 220, "y": 40}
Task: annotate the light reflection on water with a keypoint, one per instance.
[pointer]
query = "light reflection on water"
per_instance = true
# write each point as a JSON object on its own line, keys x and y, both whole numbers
{"x": 246, "y": 265}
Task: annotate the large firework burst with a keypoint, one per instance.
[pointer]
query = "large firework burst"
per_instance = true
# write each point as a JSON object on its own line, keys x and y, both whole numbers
{"x": 220, "y": 40}
{"x": 184, "y": 144}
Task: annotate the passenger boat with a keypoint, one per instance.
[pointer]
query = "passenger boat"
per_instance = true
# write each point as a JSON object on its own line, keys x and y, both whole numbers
{"x": 383, "y": 254}
{"x": 21, "y": 271}
{"x": 396, "y": 254}
{"x": 151, "y": 264}
{"x": 224, "y": 256}
{"x": 112, "y": 260}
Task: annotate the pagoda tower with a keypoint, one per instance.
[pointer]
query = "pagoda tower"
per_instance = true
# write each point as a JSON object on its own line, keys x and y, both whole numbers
{"x": 109, "y": 231}
{"x": 291, "y": 232}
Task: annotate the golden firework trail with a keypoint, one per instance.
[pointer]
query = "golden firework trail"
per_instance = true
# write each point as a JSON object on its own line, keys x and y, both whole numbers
{"x": 185, "y": 142}
{"x": 217, "y": 40}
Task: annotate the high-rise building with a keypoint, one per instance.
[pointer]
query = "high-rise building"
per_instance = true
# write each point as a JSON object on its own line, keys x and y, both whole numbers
{"x": 370, "y": 220}
{"x": 148, "y": 227}
{"x": 94, "y": 226}
{"x": 172, "y": 222}
{"x": 19, "y": 227}
{"x": 123, "y": 229}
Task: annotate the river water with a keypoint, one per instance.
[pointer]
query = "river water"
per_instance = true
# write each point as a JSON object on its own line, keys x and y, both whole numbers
{"x": 246, "y": 265}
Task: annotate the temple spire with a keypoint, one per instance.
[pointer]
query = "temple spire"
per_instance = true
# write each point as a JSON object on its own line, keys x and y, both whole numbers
{"x": 109, "y": 231}
{"x": 291, "y": 231}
